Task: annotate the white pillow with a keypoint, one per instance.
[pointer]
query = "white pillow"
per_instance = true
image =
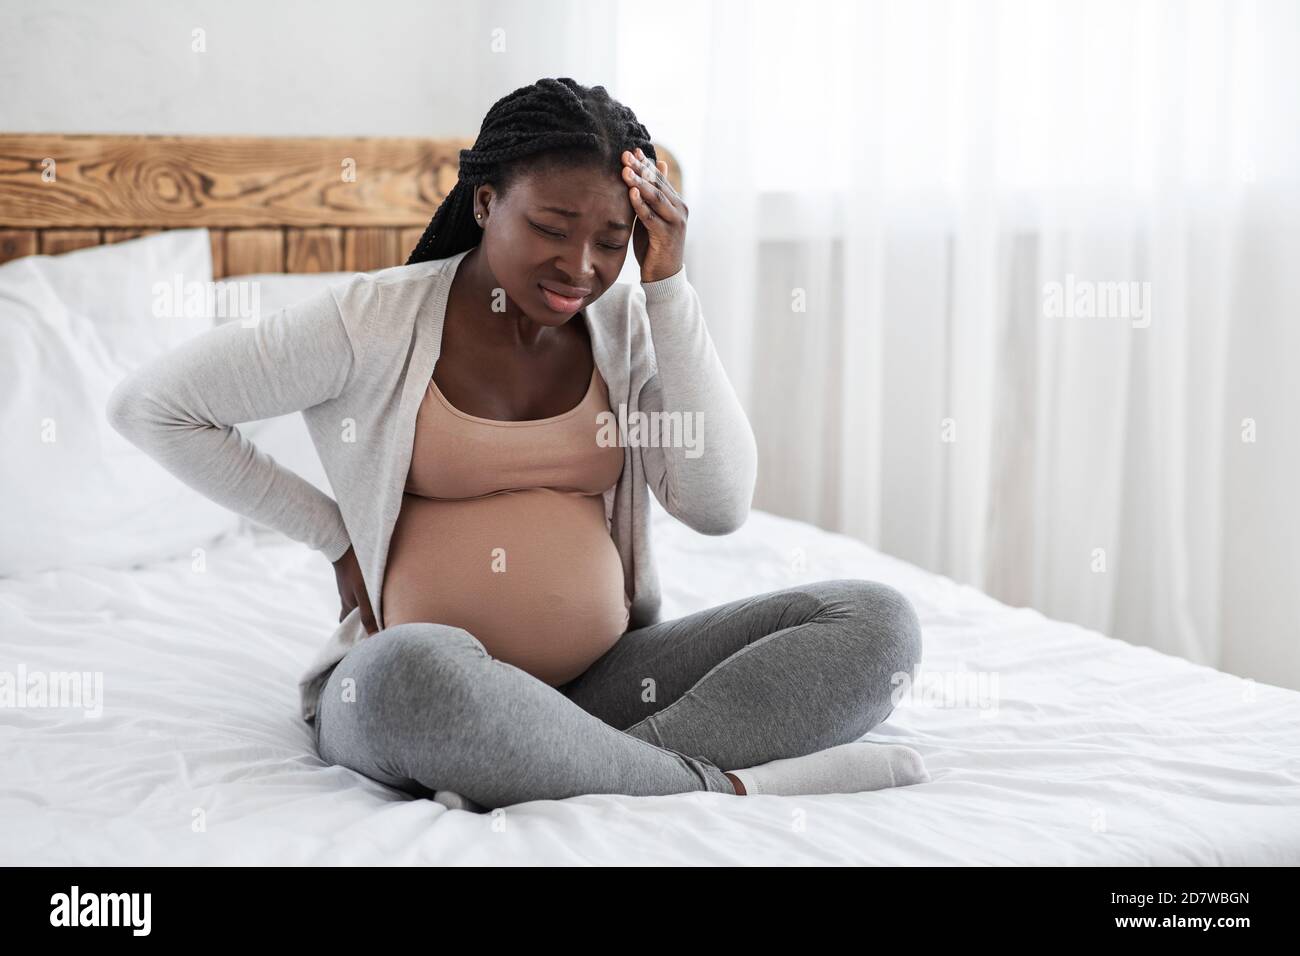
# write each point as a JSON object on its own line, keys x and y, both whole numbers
{"x": 285, "y": 438}
{"x": 72, "y": 490}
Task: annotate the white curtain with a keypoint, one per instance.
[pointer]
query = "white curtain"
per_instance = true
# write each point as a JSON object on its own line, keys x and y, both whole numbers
{"x": 1010, "y": 290}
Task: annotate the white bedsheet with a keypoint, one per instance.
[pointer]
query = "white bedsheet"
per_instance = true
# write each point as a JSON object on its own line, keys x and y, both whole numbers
{"x": 1098, "y": 752}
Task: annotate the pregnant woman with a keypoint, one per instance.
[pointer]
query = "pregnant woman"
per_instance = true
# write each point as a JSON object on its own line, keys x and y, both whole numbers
{"x": 481, "y": 413}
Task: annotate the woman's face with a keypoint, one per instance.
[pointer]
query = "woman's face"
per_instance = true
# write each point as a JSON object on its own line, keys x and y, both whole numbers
{"x": 566, "y": 229}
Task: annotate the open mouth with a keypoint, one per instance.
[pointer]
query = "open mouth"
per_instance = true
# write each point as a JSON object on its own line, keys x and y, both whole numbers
{"x": 560, "y": 303}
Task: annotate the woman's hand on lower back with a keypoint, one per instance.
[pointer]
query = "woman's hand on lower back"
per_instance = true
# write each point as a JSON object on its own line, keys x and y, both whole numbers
{"x": 352, "y": 590}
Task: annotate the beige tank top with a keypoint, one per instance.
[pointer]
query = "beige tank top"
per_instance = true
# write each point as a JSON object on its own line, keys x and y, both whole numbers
{"x": 502, "y": 532}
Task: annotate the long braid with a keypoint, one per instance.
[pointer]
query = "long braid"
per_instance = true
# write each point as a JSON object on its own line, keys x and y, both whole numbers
{"x": 551, "y": 121}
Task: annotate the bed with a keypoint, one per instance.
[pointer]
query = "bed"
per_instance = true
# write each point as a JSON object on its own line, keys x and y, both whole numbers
{"x": 1048, "y": 744}
{"x": 1092, "y": 751}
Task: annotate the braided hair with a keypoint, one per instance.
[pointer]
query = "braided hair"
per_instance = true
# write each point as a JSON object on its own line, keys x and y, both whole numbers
{"x": 553, "y": 122}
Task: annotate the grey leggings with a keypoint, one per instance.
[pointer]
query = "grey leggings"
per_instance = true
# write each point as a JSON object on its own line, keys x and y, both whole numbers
{"x": 668, "y": 708}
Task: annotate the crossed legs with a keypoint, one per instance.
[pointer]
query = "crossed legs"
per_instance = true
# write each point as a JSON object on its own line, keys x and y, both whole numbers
{"x": 666, "y": 710}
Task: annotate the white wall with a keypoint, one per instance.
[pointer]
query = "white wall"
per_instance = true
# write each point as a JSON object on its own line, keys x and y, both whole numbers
{"x": 272, "y": 68}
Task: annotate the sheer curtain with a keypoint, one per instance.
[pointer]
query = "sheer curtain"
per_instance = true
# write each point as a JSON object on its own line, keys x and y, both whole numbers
{"x": 1010, "y": 290}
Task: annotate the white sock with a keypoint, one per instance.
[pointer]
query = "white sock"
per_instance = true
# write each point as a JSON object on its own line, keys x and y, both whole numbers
{"x": 848, "y": 768}
{"x": 455, "y": 801}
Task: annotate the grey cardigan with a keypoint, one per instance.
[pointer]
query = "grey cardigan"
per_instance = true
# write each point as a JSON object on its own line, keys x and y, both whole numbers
{"x": 356, "y": 360}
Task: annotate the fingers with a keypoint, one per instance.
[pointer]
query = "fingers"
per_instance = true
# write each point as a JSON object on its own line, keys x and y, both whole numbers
{"x": 649, "y": 187}
{"x": 642, "y": 209}
{"x": 351, "y": 602}
{"x": 656, "y": 174}
{"x": 368, "y": 616}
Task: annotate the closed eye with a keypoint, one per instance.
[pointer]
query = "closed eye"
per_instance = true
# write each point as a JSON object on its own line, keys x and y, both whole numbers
{"x": 560, "y": 235}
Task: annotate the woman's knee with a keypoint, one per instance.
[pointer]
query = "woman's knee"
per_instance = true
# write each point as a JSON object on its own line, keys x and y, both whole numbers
{"x": 884, "y": 619}
{"x": 885, "y": 640}
{"x": 399, "y": 684}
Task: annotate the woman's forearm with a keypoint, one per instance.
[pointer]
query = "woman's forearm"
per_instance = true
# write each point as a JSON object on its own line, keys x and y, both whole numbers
{"x": 182, "y": 406}
{"x": 706, "y": 479}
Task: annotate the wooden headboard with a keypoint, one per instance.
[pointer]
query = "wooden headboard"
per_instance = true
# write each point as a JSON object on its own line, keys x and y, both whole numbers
{"x": 272, "y": 204}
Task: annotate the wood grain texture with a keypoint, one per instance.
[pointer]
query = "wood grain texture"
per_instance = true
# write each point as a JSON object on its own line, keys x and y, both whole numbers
{"x": 15, "y": 243}
{"x": 176, "y": 181}
{"x": 118, "y": 235}
{"x": 272, "y": 204}
{"x": 55, "y": 241}
{"x": 314, "y": 250}
{"x": 253, "y": 250}
{"x": 366, "y": 249}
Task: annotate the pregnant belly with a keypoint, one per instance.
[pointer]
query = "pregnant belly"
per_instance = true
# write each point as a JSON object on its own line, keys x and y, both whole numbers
{"x": 533, "y": 574}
